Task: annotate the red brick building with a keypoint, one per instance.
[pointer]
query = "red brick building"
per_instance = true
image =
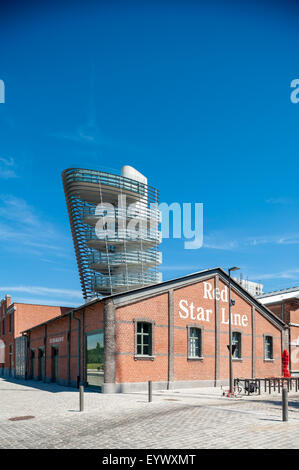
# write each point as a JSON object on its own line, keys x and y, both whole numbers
{"x": 14, "y": 318}
{"x": 174, "y": 333}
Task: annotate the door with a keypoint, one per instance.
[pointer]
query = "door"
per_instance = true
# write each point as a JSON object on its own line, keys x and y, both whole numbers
{"x": 95, "y": 358}
{"x": 54, "y": 364}
{"x": 32, "y": 364}
{"x": 41, "y": 365}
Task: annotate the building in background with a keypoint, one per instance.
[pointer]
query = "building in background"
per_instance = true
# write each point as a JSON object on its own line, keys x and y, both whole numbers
{"x": 285, "y": 304}
{"x": 14, "y": 318}
{"x": 254, "y": 288}
{"x": 113, "y": 258}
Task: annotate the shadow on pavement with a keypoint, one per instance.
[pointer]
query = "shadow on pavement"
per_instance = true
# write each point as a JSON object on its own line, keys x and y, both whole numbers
{"x": 43, "y": 386}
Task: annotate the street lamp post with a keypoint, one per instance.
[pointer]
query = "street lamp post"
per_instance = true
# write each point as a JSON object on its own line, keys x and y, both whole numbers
{"x": 234, "y": 268}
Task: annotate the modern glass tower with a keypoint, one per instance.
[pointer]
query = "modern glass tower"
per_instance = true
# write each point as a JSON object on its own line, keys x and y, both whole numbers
{"x": 115, "y": 227}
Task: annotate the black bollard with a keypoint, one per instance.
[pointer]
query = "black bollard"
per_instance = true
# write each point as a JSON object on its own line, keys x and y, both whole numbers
{"x": 150, "y": 391}
{"x": 284, "y": 404}
{"x": 81, "y": 397}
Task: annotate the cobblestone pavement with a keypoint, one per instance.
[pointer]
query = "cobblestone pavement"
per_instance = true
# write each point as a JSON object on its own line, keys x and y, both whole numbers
{"x": 196, "y": 418}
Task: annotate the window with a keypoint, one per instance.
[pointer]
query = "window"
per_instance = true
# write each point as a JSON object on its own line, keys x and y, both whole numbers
{"x": 194, "y": 342}
{"x": 144, "y": 339}
{"x": 10, "y": 322}
{"x": 268, "y": 341}
{"x": 236, "y": 341}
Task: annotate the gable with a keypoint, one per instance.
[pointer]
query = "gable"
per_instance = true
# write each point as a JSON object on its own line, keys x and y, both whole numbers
{"x": 209, "y": 294}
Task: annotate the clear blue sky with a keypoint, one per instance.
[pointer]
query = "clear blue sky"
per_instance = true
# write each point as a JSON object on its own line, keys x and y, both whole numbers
{"x": 195, "y": 95}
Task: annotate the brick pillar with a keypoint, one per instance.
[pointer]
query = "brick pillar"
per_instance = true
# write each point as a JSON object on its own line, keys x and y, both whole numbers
{"x": 69, "y": 350}
{"x": 109, "y": 348}
{"x": 82, "y": 347}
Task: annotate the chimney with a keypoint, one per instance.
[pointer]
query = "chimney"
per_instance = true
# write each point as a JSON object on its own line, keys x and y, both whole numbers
{"x": 8, "y": 300}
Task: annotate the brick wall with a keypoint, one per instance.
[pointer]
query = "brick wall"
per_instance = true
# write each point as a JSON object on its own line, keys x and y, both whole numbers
{"x": 195, "y": 306}
{"x": 21, "y": 317}
{"x": 62, "y": 334}
{"x": 128, "y": 367}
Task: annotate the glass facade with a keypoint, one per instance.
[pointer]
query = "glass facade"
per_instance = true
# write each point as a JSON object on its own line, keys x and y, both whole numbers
{"x": 116, "y": 248}
{"x": 95, "y": 358}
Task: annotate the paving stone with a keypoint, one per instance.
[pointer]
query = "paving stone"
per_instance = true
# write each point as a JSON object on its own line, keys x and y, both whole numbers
{"x": 199, "y": 419}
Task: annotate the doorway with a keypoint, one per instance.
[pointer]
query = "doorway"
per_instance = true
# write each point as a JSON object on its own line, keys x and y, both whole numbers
{"x": 32, "y": 363}
{"x": 41, "y": 363}
{"x": 54, "y": 363}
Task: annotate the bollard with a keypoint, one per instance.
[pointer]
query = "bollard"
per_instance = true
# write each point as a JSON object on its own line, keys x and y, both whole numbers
{"x": 81, "y": 397}
{"x": 284, "y": 404}
{"x": 150, "y": 391}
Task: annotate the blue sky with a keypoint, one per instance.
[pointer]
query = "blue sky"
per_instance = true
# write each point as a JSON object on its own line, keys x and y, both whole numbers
{"x": 195, "y": 95}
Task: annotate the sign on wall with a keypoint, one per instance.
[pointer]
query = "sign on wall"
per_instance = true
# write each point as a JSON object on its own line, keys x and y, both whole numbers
{"x": 188, "y": 310}
{"x": 58, "y": 339}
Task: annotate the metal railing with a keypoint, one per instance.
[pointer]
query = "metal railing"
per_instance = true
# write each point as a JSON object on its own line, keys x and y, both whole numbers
{"x": 107, "y": 179}
{"x": 122, "y": 280}
{"x": 270, "y": 384}
{"x": 128, "y": 213}
{"x": 124, "y": 234}
{"x": 130, "y": 257}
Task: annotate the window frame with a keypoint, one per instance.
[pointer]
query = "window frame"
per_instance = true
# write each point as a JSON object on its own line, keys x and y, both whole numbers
{"x": 200, "y": 328}
{"x": 266, "y": 335}
{"x": 145, "y": 357}
{"x": 239, "y": 358}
